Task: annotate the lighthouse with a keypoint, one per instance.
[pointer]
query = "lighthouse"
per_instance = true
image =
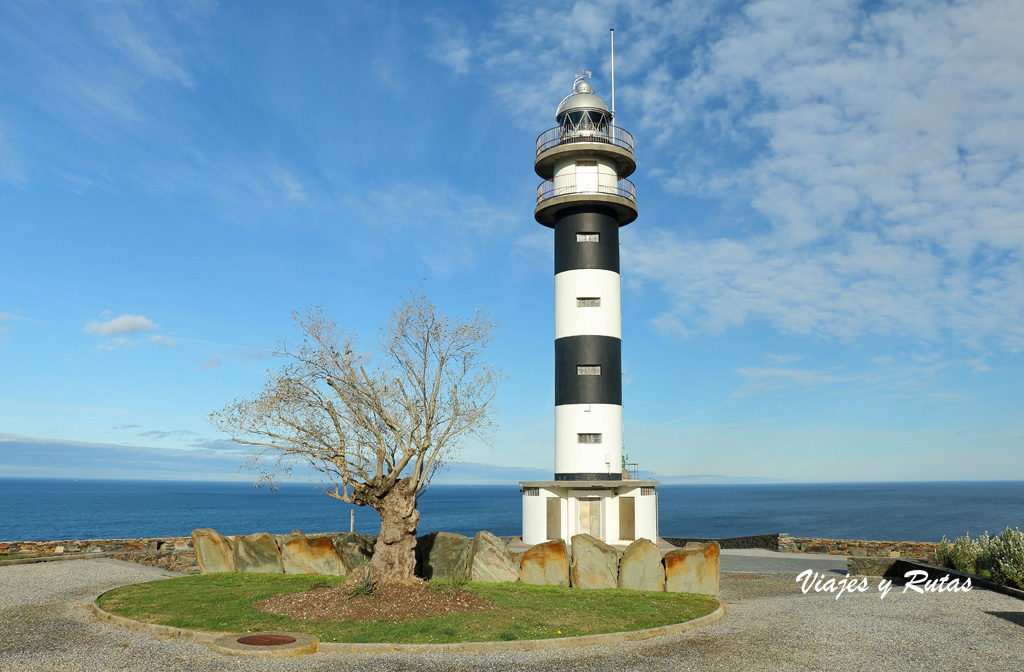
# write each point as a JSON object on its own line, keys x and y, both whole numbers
{"x": 585, "y": 198}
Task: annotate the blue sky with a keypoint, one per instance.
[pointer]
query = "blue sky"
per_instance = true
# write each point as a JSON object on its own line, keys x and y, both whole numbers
{"x": 825, "y": 282}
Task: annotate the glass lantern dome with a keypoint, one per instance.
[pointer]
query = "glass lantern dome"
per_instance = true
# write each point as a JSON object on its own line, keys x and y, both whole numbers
{"x": 583, "y": 113}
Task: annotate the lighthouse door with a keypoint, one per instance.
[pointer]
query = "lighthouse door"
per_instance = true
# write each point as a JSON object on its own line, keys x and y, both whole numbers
{"x": 586, "y": 177}
{"x": 590, "y": 516}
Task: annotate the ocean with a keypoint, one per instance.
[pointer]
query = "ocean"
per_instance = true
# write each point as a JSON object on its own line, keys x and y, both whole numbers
{"x": 41, "y": 509}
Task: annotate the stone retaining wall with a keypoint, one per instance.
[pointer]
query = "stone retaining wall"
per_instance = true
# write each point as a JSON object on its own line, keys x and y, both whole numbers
{"x": 173, "y": 553}
{"x": 176, "y": 553}
{"x": 915, "y": 550}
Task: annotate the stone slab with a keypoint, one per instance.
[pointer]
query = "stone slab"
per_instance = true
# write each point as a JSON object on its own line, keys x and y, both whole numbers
{"x": 214, "y": 552}
{"x": 545, "y": 564}
{"x": 257, "y": 553}
{"x": 694, "y": 568}
{"x": 354, "y": 549}
{"x": 311, "y": 555}
{"x": 489, "y": 561}
{"x": 595, "y": 564}
{"x": 641, "y": 567}
{"x": 441, "y": 555}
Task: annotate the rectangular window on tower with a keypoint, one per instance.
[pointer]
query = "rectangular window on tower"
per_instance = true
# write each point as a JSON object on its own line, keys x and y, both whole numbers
{"x": 588, "y": 369}
{"x": 588, "y": 438}
{"x": 588, "y": 302}
{"x": 588, "y": 237}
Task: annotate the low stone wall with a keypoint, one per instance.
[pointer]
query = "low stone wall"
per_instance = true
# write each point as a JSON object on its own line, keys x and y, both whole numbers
{"x": 766, "y": 541}
{"x": 915, "y": 550}
{"x": 176, "y": 553}
{"x": 172, "y": 553}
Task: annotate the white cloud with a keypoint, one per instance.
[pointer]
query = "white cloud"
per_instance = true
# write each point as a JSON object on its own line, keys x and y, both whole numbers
{"x": 886, "y": 156}
{"x": 865, "y": 161}
{"x": 212, "y": 364}
{"x": 158, "y": 339}
{"x": 121, "y": 326}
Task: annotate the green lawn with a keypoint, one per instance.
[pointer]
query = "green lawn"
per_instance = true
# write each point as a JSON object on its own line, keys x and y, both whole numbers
{"x": 223, "y": 603}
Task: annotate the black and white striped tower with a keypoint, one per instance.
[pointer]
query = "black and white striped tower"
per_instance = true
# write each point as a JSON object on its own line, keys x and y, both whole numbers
{"x": 585, "y": 198}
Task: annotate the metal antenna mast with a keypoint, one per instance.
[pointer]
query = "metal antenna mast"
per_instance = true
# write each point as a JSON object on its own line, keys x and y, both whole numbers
{"x": 613, "y": 76}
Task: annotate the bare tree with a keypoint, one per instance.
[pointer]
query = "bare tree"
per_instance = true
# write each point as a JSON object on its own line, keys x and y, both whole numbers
{"x": 377, "y": 427}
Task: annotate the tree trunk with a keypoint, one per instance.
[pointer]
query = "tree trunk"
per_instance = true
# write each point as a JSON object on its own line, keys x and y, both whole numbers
{"x": 394, "y": 555}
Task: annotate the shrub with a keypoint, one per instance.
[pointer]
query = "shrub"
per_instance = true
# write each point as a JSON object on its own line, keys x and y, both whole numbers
{"x": 963, "y": 554}
{"x": 1002, "y": 556}
{"x": 1005, "y": 557}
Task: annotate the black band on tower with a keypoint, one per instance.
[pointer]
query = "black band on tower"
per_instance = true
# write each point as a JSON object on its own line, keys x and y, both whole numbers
{"x": 573, "y": 386}
{"x": 571, "y": 254}
{"x": 589, "y": 477}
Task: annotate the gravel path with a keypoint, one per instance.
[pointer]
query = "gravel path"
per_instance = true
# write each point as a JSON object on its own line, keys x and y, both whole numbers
{"x": 45, "y": 625}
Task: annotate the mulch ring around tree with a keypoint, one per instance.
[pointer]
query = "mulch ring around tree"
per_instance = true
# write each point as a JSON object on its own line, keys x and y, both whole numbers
{"x": 390, "y": 602}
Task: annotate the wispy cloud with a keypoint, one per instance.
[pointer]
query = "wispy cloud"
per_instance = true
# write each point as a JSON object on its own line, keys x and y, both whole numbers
{"x": 58, "y": 458}
{"x": 12, "y": 168}
{"x": 769, "y": 380}
{"x": 158, "y": 434}
{"x": 225, "y": 445}
{"x": 527, "y": 56}
{"x": 147, "y": 47}
{"x": 212, "y": 364}
{"x": 452, "y": 46}
{"x": 866, "y": 162}
{"x": 413, "y": 211}
{"x": 884, "y": 153}
{"x": 69, "y": 409}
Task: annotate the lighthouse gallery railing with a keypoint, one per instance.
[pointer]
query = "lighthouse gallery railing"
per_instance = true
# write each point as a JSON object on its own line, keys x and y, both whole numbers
{"x": 566, "y": 185}
{"x": 612, "y": 135}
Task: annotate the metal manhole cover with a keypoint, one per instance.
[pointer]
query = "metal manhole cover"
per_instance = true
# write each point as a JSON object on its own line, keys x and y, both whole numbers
{"x": 273, "y": 644}
{"x": 265, "y": 640}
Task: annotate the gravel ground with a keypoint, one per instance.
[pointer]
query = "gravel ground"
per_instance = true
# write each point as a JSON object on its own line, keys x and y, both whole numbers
{"x": 45, "y": 625}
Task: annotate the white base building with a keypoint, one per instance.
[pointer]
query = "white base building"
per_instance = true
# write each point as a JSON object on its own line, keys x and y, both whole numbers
{"x": 616, "y": 512}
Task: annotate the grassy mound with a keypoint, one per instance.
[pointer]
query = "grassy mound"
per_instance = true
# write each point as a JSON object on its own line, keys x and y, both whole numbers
{"x": 224, "y": 603}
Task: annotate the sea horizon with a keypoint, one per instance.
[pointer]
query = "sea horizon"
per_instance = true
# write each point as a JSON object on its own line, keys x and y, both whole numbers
{"x": 65, "y": 508}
